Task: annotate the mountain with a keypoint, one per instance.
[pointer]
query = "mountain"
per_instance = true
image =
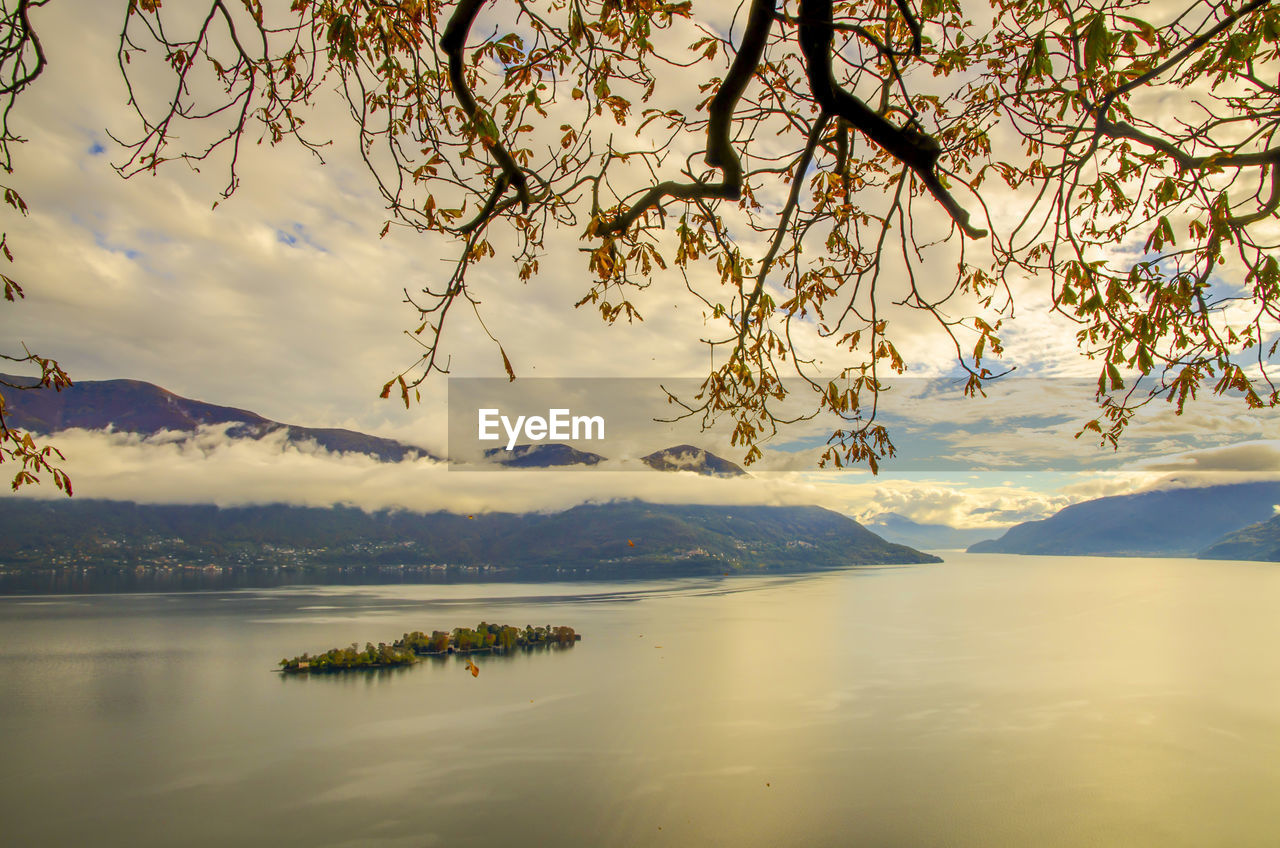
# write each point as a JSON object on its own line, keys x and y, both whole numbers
{"x": 1166, "y": 522}
{"x": 137, "y": 407}
{"x": 557, "y": 455}
{"x": 631, "y": 539}
{"x": 549, "y": 455}
{"x": 1259, "y": 541}
{"x": 904, "y": 531}
{"x": 623, "y": 538}
{"x": 690, "y": 458}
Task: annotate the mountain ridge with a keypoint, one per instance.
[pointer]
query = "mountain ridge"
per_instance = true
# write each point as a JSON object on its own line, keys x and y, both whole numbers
{"x": 1258, "y": 542}
{"x": 136, "y": 406}
{"x": 542, "y": 455}
{"x": 628, "y": 538}
{"x": 1162, "y": 522}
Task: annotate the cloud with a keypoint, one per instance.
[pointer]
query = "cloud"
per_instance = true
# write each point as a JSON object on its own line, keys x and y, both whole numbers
{"x": 210, "y": 467}
{"x": 1244, "y": 462}
{"x": 1249, "y": 457}
{"x": 943, "y": 501}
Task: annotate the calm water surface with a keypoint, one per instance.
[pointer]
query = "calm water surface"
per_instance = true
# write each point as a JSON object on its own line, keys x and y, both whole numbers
{"x": 988, "y": 701}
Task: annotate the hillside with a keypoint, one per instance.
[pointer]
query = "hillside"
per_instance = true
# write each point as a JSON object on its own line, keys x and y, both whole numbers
{"x": 1259, "y": 541}
{"x": 627, "y": 538}
{"x": 1167, "y": 522}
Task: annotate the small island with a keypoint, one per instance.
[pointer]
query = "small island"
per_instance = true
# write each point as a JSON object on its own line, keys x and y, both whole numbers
{"x": 406, "y": 650}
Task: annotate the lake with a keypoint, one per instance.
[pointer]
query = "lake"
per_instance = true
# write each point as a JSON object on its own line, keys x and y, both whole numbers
{"x": 987, "y": 701}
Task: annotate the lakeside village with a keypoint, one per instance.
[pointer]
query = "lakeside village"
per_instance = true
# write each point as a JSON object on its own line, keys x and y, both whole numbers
{"x": 409, "y": 648}
{"x": 173, "y": 556}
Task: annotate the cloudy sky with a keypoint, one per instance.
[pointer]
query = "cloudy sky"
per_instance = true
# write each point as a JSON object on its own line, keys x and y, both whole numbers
{"x": 284, "y": 300}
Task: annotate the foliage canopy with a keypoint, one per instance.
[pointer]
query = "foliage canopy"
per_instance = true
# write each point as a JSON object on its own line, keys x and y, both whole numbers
{"x": 809, "y": 170}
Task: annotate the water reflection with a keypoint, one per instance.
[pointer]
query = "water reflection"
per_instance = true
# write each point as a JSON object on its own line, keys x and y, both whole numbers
{"x": 149, "y": 580}
{"x": 987, "y": 701}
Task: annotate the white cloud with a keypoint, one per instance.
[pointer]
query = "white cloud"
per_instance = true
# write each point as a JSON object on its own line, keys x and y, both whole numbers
{"x": 209, "y": 467}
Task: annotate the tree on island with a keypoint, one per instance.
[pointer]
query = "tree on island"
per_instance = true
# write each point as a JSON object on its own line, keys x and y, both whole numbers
{"x": 810, "y": 172}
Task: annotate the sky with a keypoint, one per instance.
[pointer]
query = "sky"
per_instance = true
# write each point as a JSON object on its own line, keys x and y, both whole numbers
{"x": 284, "y": 300}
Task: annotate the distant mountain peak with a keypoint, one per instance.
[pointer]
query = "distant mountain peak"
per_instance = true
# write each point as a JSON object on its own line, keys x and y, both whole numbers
{"x": 898, "y": 528}
{"x": 542, "y": 455}
{"x": 692, "y": 458}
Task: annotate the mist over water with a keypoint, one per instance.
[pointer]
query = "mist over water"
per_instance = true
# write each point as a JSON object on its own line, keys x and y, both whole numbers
{"x": 990, "y": 700}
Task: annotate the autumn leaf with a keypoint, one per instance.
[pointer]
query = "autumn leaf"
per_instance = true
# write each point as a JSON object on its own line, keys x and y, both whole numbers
{"x": 506, "y": 363}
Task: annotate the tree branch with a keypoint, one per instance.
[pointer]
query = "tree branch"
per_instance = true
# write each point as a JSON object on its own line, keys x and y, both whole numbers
{"x": 793, "y": 200}
{"x": 452, "y": 41}
{"x": 914, "y": 149}
{"x": 720, "y": 153}
{"x": 1185, "y": 161}
{"x": 1191, "y": 47}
